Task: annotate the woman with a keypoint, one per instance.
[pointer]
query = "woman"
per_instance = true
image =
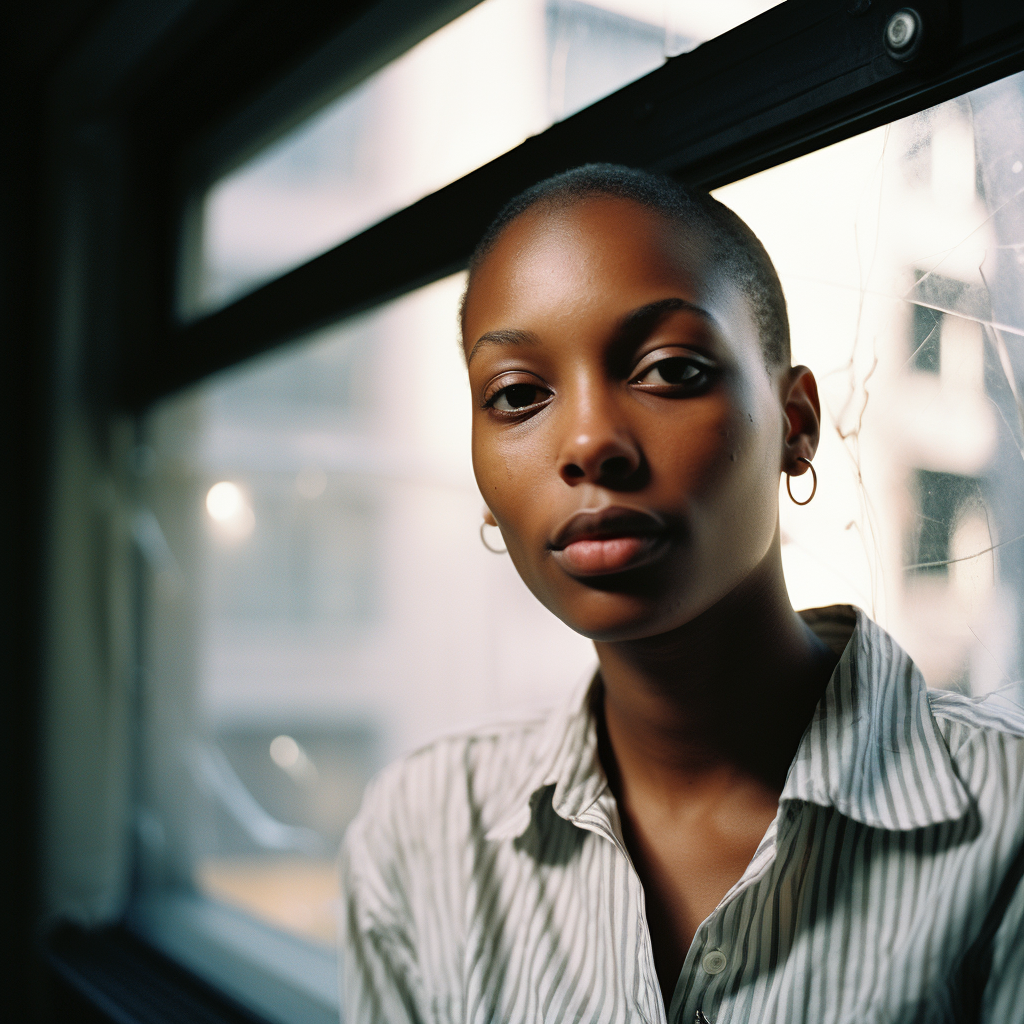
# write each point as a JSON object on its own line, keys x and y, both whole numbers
{"x": 751, "y": 814}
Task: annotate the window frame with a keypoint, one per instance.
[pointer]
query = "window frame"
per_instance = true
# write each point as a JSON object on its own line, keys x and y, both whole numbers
{"x": 841, "y": 82}
{"x": 131, "y": 154}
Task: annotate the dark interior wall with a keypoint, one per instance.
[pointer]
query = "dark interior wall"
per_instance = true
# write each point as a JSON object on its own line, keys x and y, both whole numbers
{"x": 36, "y": 39}
{"x": 39, "y": 40}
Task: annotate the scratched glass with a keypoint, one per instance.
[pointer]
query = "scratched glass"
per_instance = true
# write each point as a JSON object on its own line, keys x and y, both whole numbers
{"x": 902, "y": 255}
{"x": 505, "y": 70}
{"x": 319, "y": 601}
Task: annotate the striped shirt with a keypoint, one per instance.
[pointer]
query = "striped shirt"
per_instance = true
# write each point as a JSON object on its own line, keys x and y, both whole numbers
{"x": 486, "y": 879}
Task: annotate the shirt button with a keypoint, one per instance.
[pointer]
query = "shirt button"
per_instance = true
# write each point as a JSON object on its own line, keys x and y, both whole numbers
{"x": 714, "y": 962}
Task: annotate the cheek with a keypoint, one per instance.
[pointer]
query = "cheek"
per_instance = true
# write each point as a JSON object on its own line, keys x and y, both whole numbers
{"x": 517, "y": 479}
{"x": 722, "y": 461}
{"x": 506, "y": 467}
{"x": 747, "y": 476}
{"x": 700, "y": 448}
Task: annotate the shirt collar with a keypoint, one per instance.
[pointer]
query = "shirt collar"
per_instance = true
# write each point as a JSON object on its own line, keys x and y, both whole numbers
{"x": 872, "y": 749}
{"x": 567, "y": 759}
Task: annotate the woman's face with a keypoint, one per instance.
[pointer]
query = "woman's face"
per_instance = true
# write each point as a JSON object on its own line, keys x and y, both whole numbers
{"x": 627, "y": 436}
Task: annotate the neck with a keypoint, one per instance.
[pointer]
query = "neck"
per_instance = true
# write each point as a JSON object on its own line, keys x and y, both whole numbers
{"x": 726, "y": 696}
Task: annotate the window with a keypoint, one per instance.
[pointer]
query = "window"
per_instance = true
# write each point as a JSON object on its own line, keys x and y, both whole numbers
{"x": 926, "y": 335}
{"x": 312, "y": 597}
{"x": 952, "y": 522}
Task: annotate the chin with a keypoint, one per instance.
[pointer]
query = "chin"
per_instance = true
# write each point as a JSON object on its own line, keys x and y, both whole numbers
{"x": 628, "y": 607}
{"x": 610, "y": 617}
{"x": 637, "y": 604}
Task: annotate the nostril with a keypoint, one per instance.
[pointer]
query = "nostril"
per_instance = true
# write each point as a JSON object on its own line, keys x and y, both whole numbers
{"x": 573, "y": 471}
{"x": 616, "y": 468}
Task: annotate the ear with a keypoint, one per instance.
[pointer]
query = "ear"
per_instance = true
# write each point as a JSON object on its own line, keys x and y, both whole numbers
{"x": 802, "y": 419}
{"x": 489, "y": 518}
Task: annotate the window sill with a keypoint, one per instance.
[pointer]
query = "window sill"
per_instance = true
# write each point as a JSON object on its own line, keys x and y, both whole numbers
{"x": 280, "y": 977}
{"x": 109, "y": 975}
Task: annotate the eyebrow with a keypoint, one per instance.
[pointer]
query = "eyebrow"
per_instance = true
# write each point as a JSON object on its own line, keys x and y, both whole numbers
{"x": 645, "y": 318}
{"x": 640, "y": 320}
{"x": 509, "y": 336}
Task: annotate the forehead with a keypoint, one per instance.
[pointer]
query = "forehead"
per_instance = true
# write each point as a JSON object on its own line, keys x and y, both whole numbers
{"x": 561, "y": 262}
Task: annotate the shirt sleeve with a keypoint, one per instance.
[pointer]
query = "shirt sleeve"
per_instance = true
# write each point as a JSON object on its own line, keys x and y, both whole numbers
{"x": 380, "y": 977}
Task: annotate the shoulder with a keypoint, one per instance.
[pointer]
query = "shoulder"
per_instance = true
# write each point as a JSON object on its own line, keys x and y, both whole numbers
{"x": 985, "y": 739}
{"x": 450, "y": 789}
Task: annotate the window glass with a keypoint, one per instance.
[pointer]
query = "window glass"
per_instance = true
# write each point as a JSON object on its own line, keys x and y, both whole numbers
{"x": 902, "y": 255}
{"x": 318, "y": 599}
{"x": 321, "y": 601}
{"x": 503, "y": 71}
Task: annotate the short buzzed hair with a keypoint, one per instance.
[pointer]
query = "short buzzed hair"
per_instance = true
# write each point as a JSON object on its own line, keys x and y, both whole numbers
{"x": 731, "y": 246}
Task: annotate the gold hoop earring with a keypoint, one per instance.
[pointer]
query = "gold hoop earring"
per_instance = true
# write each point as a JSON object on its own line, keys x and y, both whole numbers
{"x": 814, "y": 483}
{"x": 483, "y": 540}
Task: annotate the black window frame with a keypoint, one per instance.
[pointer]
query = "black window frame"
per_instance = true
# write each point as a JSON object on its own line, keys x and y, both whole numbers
{"x": 152, "y": 105}
{"x": 799, "y": 77}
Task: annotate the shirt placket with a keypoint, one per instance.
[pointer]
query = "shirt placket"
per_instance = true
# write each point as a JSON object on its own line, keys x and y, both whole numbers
{"x": 605, "y": 824}
{"x": 713, "y": 956}
{"x": 705, "y": 960}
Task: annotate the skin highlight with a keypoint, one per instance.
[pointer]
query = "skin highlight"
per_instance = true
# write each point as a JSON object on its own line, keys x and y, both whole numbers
{"x": 628, "y": 440}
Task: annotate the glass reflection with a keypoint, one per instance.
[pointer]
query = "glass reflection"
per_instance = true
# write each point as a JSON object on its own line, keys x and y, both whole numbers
{"x": 340, "y": 608}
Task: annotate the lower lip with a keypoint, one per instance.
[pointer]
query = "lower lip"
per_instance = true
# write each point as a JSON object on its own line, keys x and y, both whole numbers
{"x": 608, "y": 555}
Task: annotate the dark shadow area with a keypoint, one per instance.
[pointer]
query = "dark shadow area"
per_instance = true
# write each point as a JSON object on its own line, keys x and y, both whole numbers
{"x": 109, "y": 975}
{"x": 549, "y": 839}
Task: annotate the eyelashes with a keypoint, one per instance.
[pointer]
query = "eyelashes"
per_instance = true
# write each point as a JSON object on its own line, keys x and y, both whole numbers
{"x": 675, "y": 372}
{"x": 517, "y": 398}
{"x": 670, "y": 376}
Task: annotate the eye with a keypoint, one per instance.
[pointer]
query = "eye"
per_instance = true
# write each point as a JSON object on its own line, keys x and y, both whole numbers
{"x": 517, "y": 397}
{"x": 675, "y": 372}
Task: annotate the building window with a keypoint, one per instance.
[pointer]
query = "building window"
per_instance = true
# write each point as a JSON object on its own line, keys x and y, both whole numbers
{"x": 925, "y": 336}
{"x": 946, "y": 504}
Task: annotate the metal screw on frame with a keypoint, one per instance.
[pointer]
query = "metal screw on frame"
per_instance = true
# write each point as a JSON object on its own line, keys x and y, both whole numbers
{"x": 902, "y": 34}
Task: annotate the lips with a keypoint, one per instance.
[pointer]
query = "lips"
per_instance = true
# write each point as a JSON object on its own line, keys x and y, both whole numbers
{"x": 609, "y": 540}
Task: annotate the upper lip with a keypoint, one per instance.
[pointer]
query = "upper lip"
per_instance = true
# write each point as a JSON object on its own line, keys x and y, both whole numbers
{"x": 600, "y": 524}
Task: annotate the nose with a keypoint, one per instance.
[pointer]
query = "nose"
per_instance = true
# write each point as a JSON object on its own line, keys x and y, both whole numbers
{"x": 599, "y": 448}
